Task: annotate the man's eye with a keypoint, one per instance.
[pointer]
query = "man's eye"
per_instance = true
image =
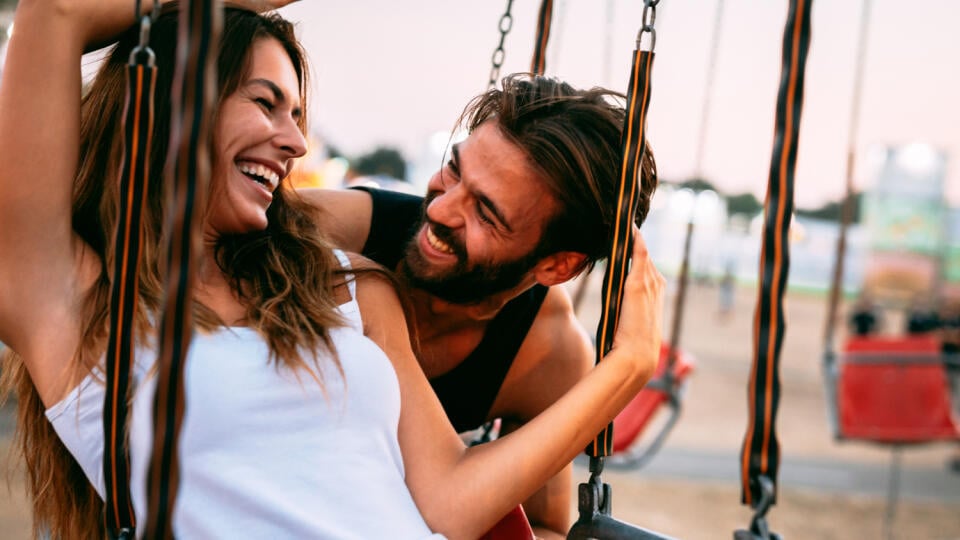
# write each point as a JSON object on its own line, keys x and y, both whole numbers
{"x": 482, "y": 215}
{"x": 453, "y": 167}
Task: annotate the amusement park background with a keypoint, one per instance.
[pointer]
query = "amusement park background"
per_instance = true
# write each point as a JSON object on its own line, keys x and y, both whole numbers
{"x": 388, "y": 88}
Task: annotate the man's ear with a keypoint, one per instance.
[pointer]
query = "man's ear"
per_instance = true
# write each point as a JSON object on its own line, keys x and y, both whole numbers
{"x": 559, "y": 267}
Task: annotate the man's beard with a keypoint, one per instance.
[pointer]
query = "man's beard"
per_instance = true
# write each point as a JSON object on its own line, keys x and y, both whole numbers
{"x": 464, "y": 284}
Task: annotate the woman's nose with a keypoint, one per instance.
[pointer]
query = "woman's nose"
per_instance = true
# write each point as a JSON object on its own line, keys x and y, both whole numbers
{"x": 291, "y": 139}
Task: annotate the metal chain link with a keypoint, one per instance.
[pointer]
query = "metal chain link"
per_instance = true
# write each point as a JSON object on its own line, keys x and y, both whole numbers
{"x": 137, "y": 10}
{"x": 143, "y": 48}
{"x": 649, "y": 17}
{"x": 496, "y": 60}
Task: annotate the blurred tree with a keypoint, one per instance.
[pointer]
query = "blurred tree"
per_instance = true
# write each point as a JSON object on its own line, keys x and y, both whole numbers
{"x": 744, "y": 203}
{"x": 697, "y": 184}
{"x": 382, "y": 161}
{"x": 333, "y": 151}
{"x": 831, "y": 211}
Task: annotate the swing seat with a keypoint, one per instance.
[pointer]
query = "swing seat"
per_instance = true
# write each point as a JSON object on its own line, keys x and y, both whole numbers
{"x": 634, "y": 418}
{"x": 894, "y": 390}
{"x": 513, "y": 526}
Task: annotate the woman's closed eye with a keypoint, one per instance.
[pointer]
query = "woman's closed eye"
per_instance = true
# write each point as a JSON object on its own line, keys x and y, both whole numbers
{"x": 265, "y": 103}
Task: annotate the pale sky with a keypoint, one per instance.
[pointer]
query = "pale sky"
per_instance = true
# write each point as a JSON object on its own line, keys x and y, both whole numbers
{"x": 393, "y": 72}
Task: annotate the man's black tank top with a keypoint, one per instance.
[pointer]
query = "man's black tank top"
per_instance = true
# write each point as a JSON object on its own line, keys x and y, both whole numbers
{"x": 468, "y": 390}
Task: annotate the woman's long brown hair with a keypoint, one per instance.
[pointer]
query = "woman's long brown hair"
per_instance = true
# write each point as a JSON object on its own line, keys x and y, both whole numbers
{"x": 284, "y": 275}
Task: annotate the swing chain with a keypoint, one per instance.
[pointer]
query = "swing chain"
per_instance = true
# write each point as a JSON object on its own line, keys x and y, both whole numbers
{"x": 505, "y": 24}
{"x": 649, "y": 17}
{"x": 137, "y": 10}
{"x": 600, "y": 490}
{"x": 759, "y": 528}
{"x": 143, "y": 48}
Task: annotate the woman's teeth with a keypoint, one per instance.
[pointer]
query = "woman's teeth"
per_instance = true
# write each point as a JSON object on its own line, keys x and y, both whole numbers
{"x": 438, "y": 244}
{"x": 262, "y": 174}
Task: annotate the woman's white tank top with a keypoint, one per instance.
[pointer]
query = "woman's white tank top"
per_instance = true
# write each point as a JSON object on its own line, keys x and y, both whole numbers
{"x": 267, "y": 452}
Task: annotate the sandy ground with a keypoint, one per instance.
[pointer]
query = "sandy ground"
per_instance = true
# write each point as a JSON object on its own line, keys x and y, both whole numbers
{"x": 683, "y": 502}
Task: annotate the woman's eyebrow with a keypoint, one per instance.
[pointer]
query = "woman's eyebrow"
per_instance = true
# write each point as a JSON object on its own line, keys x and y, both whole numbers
{"x": 277, "y": 92}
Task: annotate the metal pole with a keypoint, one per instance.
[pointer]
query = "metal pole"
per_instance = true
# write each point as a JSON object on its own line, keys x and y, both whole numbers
{"x": 836, "y": 285}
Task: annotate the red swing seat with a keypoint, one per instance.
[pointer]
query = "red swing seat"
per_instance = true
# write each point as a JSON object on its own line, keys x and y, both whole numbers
{"x": 634, "y": 418}
{"x": 894, "y": 390}
{"x": 513, "y": 526}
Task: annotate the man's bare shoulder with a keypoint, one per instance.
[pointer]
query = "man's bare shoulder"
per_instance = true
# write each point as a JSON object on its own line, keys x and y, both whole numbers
{"x": 557, "y": 329}
{"x": 556, "y": 353}
{"x": 345, "y": 215}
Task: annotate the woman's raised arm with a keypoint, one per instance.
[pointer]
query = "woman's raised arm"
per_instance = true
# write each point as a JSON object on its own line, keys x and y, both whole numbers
{"x": 43, "y": 266}
{"x": 457, "y": 489}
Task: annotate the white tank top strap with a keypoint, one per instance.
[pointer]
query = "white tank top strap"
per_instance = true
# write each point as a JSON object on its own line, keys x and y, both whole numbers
{"x": 350, "y": 309}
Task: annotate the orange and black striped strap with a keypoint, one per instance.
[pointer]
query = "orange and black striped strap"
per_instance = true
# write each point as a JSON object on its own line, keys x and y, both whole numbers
{"x": 539, "y": 63}
{"x": 188, "y": 170}
{"x": 760, "y": 455}
{"x": 138, "y": 129}
{"x": 632, "y": 144}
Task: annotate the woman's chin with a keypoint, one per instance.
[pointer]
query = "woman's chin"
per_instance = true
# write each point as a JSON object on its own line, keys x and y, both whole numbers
{"x": 240, "y": 227}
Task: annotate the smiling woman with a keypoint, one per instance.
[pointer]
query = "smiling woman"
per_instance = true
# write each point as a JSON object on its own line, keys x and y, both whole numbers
{"x": 306, "y": 410}
{"x": 257, "y": 138}
{"x": 259, "y": 60}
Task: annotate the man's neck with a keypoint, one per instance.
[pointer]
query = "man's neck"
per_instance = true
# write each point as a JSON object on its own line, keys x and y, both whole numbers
{"x": 436, "y": 313}
{"x": 436, "y": 317}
